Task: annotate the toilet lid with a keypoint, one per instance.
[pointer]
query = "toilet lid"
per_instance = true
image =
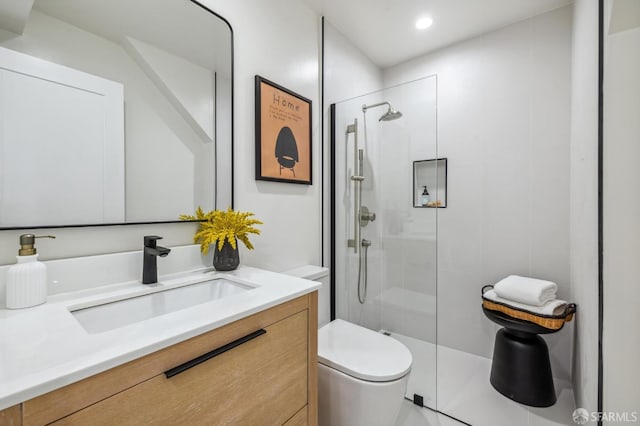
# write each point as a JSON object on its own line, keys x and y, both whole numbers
{"x": 362, "y": 353}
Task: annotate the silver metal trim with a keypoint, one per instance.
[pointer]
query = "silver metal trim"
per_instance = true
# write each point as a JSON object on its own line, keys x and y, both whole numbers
{"x": 357, "y": 185}
{"x": 366, "y": 216}
{"x": 366, "y": 107}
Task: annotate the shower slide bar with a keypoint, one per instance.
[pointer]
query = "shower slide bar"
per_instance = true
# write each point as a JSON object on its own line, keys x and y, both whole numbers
{"x": 358, "y": 155}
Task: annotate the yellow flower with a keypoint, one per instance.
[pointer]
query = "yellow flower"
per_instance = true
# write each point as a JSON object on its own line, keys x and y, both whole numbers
{"x": 217, "y": 226}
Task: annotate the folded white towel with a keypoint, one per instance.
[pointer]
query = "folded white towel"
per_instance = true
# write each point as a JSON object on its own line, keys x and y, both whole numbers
{"x": 554, "y": 307}
{"x": 530, "y": 291}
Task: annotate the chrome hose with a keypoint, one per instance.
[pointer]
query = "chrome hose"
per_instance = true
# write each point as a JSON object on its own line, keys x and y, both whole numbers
{"x": 362, "y": 275}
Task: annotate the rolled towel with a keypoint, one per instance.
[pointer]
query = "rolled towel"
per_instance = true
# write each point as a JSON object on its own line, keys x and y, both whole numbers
{"x": 525, "y": 290}
{"x": 553, "y": 307}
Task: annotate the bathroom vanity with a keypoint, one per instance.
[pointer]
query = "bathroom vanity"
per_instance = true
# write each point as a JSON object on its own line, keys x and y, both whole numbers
{"x": 244, "y": 358}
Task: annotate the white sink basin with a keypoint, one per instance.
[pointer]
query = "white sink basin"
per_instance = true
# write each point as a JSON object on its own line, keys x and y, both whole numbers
{"x": 104, "y": 316}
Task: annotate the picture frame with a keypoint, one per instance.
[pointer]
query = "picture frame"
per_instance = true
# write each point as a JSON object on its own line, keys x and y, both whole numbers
{"x": 283, "y": 134}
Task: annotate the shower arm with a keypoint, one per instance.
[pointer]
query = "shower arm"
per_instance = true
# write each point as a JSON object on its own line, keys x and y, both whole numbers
{"x": 366, "y": 107}
{"x": 357, "y": 185}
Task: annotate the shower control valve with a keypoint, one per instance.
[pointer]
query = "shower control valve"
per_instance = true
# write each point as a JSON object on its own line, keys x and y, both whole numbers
{"x": 366, "y": 216}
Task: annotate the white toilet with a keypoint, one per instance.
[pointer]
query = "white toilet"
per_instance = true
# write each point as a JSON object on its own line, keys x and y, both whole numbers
{"x": 362, "y": 374}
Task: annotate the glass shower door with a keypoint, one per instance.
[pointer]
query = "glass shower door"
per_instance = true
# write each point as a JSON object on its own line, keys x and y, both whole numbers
{"x": 385, "y": 220}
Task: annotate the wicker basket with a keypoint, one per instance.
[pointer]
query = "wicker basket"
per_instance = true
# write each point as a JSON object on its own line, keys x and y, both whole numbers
{"x": 551, "y": 322}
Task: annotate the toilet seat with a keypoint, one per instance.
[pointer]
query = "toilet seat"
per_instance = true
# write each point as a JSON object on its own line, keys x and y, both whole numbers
{"x": 362, "y": 353}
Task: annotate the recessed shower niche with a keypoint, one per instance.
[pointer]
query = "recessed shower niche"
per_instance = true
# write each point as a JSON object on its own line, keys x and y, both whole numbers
{"x": 430, "y": 183}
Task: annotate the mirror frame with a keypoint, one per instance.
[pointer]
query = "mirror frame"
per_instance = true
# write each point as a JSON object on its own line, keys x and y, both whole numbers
{"x": 224, "y": 20}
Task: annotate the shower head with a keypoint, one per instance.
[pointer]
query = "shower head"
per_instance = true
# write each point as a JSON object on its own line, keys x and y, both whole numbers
{"x": 391, "y": 114}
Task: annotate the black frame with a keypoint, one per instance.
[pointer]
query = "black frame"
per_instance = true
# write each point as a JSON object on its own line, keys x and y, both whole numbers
{"x": 600, "y": 396}
{"x": 332, "y": 203}
{"x": 446, "y": 172}
{"x": 258, "y": 132}
{"x": 91, "y": 225}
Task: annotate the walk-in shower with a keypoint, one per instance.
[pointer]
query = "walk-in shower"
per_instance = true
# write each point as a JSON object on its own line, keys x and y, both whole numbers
{"x": 362, "y": 216}
{"x": 384, "y": 248}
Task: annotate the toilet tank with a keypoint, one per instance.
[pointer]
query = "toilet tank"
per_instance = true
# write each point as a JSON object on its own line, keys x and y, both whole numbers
{"x": 319, "y": 274}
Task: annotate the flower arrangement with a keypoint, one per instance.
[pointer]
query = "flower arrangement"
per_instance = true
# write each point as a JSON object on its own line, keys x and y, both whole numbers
{"x": 218, "y": 226}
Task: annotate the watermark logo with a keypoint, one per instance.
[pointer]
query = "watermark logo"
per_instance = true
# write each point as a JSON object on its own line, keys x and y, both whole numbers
{"x": 580, "y": 416}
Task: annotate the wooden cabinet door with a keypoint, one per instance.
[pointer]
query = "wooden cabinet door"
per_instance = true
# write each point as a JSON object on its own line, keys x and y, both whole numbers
{"x": 11, "y": 416}
{"x": 261, "y": 382}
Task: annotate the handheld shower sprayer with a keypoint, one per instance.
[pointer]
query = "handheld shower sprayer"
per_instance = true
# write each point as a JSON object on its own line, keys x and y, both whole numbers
{"x": 361, "y": 214}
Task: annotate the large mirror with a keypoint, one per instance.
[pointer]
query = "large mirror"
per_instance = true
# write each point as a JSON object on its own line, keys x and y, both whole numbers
{"x": 113, "y": 112}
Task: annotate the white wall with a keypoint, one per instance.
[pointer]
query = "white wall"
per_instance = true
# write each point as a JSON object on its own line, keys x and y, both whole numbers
{"x": 621, "y": 321}
{"x": 407, "y": 234}
{"x": 584, "y": 201}
{"x": 503, "y": 124}
{"x": 346, "y": 267}
{"x": 348, "y": 73}
{"x": 280, "y": 41}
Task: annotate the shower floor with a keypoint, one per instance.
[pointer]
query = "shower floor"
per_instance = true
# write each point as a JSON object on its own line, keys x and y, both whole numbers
{"x": 412, "y": 415}
{"x": 464, "y": 392}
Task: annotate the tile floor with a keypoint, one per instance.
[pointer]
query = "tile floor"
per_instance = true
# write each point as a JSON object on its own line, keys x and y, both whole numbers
{"x": 464, "y": 392}
{"x": 412, "y": 415}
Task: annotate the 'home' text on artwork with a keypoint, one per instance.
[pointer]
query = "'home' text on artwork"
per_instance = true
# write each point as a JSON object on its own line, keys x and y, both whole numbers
{"x": 283, "y": 102}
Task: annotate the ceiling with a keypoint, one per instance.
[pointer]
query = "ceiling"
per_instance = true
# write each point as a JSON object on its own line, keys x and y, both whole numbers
{"x": 384, "y": 30}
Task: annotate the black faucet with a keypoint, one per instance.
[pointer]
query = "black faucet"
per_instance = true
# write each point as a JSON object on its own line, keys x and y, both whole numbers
{"x": 150, "y": 259}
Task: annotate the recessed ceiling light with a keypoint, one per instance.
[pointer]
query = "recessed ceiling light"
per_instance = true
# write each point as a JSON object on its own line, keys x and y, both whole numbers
{"x": 424, "y": 23}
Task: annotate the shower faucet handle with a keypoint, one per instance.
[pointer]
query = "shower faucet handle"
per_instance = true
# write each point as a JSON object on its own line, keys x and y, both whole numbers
{"x": 366, "y": 216}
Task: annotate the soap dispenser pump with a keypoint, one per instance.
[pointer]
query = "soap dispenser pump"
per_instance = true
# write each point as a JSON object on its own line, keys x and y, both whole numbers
{"x": 27, "y": 279}
{"x": 425, "y": 197}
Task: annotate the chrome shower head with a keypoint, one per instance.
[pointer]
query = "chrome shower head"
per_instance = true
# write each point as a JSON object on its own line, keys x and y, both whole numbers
{"x": 391, "y": 114}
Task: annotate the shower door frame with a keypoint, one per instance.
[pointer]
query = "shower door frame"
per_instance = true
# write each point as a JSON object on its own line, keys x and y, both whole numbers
{"x": 332, "y": 210}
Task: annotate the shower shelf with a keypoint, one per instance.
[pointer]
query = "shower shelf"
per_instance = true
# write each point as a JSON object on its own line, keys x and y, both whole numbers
{"x": 431, "y": 174}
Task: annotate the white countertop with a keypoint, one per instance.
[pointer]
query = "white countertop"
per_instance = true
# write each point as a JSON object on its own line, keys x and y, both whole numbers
{"x": 44, "y": 348}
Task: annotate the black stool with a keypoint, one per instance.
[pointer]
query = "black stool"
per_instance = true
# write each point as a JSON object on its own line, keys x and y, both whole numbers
{"x": 521, "y": 369}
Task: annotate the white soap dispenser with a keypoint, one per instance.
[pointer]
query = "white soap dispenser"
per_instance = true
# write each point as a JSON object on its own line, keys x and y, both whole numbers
{"x": 27, "y": 280}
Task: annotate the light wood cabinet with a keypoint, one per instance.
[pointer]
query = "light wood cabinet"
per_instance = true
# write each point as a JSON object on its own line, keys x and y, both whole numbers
{"x": 11, "y": 416}
{"x": 267, "y": 378}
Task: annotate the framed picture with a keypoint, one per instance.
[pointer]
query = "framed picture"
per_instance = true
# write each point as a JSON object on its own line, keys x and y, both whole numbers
{"x": 283, "y": 134}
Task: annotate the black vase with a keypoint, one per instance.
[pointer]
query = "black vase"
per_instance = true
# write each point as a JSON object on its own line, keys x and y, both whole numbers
{"x": 227, "y": 258}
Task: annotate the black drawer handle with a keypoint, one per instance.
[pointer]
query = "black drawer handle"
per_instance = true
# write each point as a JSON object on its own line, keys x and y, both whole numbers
{"x": 214, "y": 353}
